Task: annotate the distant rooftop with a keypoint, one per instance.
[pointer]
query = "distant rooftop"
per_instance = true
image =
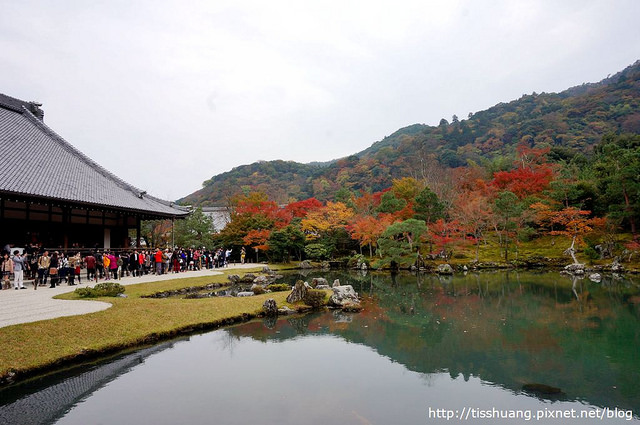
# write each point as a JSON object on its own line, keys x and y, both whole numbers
{"x": 36, "y": 161}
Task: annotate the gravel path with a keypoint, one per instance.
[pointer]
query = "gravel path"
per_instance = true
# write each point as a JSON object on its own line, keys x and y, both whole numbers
{"x": 29, "y": 305}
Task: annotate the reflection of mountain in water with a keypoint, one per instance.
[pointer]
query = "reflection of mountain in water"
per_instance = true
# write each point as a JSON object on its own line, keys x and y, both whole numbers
{"x": 48, "y": 404}
{"x": 507, "y": 329}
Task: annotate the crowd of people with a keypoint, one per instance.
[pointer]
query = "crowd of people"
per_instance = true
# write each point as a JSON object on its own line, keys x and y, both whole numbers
{"x": 59, "y": 267}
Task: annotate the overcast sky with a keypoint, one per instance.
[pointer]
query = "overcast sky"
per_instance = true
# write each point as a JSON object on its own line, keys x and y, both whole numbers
{"x": 166, "y": 94}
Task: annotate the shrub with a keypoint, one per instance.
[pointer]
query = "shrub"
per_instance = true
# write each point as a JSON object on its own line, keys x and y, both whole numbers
{"x": 258, "y": 290}
{"x": 356, "y": 261}
{"x": 316, "y": 251}
{"x": 105, "y": 289}
{"x": 279, "y": 287}
{"x": 314, "y": 298}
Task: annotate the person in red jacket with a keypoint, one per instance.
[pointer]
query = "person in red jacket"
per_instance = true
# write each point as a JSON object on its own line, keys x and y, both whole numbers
{"x": 158, "y": 260}
{"x": 90, "y": 261}
{"x": 141, "y": 262}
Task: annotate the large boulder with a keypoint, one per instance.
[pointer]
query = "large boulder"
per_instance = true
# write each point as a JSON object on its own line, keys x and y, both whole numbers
{"x": 298, "y": 292}
{"x": 305, "y": 265}
{"x": 285, "y": 310}
{"x": 261, "y": 280}
{"x": 248, "y": 278}
{"x": 616, "y": 267}
{"x": 270, "y": 307}
{"x": 318, "y": 281}
{"x": 575, "y": 268}
{"x": 444, "y": 269}
{"x": 233, "y": 278}
{"x": 343, "y": 295}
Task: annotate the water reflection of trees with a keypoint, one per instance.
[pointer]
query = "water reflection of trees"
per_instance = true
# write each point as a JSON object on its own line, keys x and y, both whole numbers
{"x": 506, "y": 328}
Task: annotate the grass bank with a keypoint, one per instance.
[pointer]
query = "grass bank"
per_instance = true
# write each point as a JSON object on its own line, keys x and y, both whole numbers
{"x": 33, "y": 348}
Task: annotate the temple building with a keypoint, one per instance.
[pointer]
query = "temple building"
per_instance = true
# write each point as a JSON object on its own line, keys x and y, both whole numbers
{"x": 53, "y": 194}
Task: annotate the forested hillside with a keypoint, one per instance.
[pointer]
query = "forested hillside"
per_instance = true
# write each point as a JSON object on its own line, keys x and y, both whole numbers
{"x": 568, "y": 123}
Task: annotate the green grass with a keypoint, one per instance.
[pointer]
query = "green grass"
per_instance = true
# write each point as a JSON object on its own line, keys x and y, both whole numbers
{"x": 31, "y": 348}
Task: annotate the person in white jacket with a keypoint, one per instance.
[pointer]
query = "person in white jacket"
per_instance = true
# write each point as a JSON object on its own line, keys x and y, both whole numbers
{"x": 19, "y": 265}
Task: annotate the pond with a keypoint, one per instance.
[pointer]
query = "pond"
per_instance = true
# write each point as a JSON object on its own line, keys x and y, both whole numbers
{"x": 481, "y": 348}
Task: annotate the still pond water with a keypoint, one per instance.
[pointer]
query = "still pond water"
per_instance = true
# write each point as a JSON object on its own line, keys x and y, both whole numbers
{"x": 425, "y": 348}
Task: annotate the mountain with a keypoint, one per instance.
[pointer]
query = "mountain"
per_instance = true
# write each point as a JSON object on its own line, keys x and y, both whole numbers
{"x": 569, "y": 122}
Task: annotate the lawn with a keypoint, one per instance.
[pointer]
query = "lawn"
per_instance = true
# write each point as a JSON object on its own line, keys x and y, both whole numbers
{"x": 31, "y": 348}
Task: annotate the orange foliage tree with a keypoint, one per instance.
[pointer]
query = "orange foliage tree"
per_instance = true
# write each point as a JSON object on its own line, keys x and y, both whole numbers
{"x": 570, "y": 222}
{"x": 331, "y": 217}
{"x": 473, "y": 211}
{"x": 367, "y": 229}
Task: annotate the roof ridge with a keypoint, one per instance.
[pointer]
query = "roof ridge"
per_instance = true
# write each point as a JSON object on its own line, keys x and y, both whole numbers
{"x": 70, "y": 148}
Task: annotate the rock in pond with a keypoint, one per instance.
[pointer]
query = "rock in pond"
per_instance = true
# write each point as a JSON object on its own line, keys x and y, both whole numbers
{"x": 318, "y": 281}
{"x": 444, "y": 269}
{"x": 575, "y": 268}
{"x": 343, "y": 295}
{"x": 595, "y": 277}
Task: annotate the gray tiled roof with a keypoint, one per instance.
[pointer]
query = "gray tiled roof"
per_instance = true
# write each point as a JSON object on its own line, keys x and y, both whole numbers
{"x": 35, "y": 161}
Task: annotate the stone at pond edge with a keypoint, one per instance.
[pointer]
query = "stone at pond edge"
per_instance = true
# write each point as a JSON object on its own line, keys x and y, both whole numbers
{"x": 248, "y": 278}
{"x": 285, "y": 310}
{"x": 233, "y": 278}
{"x": 305, "y": 265}
{"x": 270, "y": 307}
{"x": 351, "y": 307}
{"x": 245, "y": 294}
{"x": 261, "y": 280}
{"x": 298, "y": 292}
{"x": 318, "y": 281}
{"x": 343, "y": 295}
{"x": 617, "y": 267}
{"x": 444, "y": 269}
{"x": 336, "y": 283}
{"x": 575, "y": 268}
{"x": 595, "y": 277}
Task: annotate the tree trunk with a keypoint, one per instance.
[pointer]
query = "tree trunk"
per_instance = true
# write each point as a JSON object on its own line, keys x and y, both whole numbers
{"x": 572, "y": 251}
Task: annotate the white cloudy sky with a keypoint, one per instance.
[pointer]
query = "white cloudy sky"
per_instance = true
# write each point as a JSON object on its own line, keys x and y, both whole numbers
{"x": 166, "y": 94}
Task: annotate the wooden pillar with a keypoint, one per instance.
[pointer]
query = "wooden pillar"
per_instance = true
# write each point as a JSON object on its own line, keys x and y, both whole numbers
{"x": 138, "y": 232}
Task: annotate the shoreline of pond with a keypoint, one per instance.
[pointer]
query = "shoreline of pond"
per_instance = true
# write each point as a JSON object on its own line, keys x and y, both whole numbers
{"x": 14, "y": 376}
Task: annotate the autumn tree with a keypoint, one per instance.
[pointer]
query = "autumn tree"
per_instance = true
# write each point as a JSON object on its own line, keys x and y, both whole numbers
{"x": 446, "y": 235}
{"x": 532, "y": 173}
{"x": 367, "y": 229}
{"x": 302, "y": 208}
{"x": 570, "y": 222}
{"x": 327, "y": 225}
{"x": 406, "y": 188}
{"x": 473, "y": 211}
